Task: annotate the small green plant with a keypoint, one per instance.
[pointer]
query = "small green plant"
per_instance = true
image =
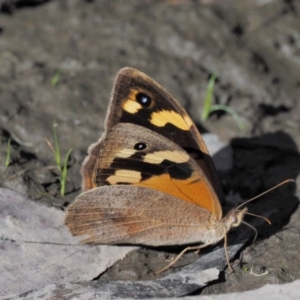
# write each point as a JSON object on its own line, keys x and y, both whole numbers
{"x": 63, "y": 168}
{"x": 8, "y": 153}
{"x": 209, "y": 108}
{"x": 64, "y": 172}
{"x": 57, "y": 155}
{"x": 55, "y": 78}
{"x": 245, "y": 269}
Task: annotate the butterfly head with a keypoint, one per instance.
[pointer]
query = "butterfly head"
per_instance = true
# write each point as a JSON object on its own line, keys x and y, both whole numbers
{"x": 234, "y": 218}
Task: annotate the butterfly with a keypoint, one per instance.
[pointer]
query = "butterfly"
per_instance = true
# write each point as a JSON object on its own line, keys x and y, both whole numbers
{"x": 149, "y": 180}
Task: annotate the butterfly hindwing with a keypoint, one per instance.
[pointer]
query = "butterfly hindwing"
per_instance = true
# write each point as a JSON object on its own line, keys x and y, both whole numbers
{"x": 114, "y": 215}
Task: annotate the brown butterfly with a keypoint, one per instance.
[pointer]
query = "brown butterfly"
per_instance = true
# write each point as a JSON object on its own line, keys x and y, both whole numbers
{"x": 149, "y": 179}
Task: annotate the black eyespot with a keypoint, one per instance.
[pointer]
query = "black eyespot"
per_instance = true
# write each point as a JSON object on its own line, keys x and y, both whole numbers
{"x": 140, "y": 146}
{"x": 143, "y": 99}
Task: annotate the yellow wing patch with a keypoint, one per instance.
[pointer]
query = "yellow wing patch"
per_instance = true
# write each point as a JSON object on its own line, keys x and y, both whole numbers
{"x": 131, "y": 106}
{"x": 159, "y": 156}
{"x": 161, "y": 118}
{"x": 125, "y": 153}
{"x": 127, "y": 176}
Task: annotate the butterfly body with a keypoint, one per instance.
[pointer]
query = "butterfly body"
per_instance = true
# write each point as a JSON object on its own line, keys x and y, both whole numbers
{"x": 149, "y": 179}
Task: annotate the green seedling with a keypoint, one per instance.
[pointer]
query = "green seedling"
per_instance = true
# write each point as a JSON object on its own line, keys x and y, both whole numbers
{"x": 64, "y": 172}
{"x": 208, "y": 97}
{"x": 8, "y": 153}
{"x": 245, "y": 269}
{"x": 63, "y": 169}
{"x": 55, "y": 78}
{"x": 57, "y": 155}
{"x": 209, "y": 108}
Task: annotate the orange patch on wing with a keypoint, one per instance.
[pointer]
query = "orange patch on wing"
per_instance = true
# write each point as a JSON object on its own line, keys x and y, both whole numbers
{"x": 89, "y": 183}
{"x": 191, "y": 190}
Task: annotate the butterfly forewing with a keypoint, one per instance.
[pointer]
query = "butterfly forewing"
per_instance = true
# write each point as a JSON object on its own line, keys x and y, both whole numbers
{"x": 135, "y": 155}
{"x": 138, "y": 99}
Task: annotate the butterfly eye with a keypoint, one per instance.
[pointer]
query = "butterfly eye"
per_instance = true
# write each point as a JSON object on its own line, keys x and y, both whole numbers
{"x": 234, "y": 220}
{"x": 140, "y": 146}
{"x": 143, "y": 99}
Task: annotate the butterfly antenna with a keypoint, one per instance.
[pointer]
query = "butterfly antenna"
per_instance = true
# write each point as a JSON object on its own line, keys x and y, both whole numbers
{"x": 254, "y": 229}
{"x": 259, "y": 216}
{"x": 267, "y": 191}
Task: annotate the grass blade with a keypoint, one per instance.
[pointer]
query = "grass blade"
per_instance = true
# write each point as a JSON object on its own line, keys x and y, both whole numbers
{"x": 8, "y": 153}
{"x": 229, "y": 110}
{"x": 208, "y": 97}
{"x": 64, "y": 172}
{"x": 56, "y": 148}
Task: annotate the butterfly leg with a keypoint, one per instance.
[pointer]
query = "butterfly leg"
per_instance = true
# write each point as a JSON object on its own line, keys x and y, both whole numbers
{"x": 179, "y": 255}
{"x": 172, "y": 258}
{"x": 226, "y": 252}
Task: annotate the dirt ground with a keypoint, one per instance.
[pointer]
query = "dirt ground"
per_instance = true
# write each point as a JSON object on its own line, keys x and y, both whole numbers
{"x": 58, "y": 60}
